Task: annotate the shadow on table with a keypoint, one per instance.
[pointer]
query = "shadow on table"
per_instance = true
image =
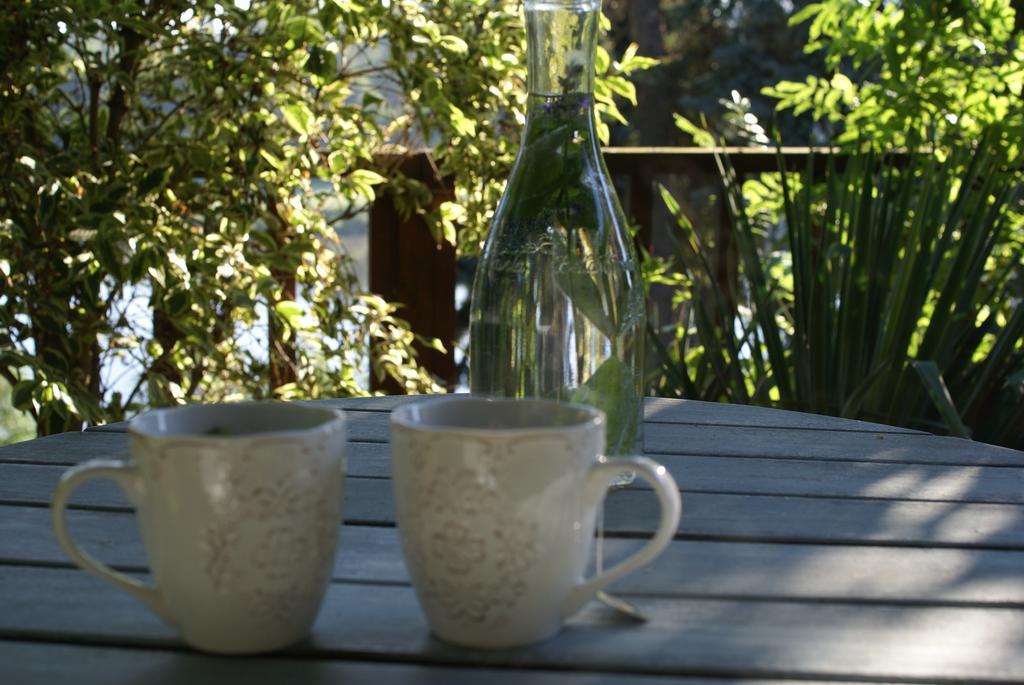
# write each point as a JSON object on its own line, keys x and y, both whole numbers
{"x": 883, "y": 552}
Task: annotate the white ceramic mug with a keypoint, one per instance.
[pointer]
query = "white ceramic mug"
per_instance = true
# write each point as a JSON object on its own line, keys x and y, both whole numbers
{"x": 239, "y": 507}
{"x": 497, "y": 503}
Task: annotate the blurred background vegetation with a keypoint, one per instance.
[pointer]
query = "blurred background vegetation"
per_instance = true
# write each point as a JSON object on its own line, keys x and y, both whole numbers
{"x": 184, "y": 182}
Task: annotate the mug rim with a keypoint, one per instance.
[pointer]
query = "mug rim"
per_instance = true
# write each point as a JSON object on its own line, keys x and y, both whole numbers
{"x": 402, "y": 417}
{"x": 333, "y": 420}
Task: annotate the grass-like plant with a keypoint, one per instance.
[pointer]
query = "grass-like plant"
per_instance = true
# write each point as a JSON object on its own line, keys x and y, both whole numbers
{"x": 890, "y": 293}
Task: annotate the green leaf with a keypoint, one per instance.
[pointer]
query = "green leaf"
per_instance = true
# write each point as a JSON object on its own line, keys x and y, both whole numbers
{"x": 338, "y": 162}
{"x": 157, "y": 276}
{"x": 177, "y": 304}
{"x": 842, "y": 82}
{"x": 620, "y": 86}
{"x": 290, "y": 311}
{"x": 367, "y": 177}
{"x": 806, "y": 13}
{"x": 701, "y": 137}
{"x": 299, "y": 116}
{"x": 462, "y": 124}
{"x": 321, "y": 63}
{"x": 454, "y": 44}
{"x": 629, "y": 54}
{"x": 576, "y": 279}
{"x": 674, "y": 209}
{"x": 612, "y": 389}
{"x": 928, "y": 372}
{"x": 305, "y": 28}
{"x": 576, "y": 282}
{"x": 270, "y": 159}
{"x": 153, "y": 180}
{"x": 21, "y": 394}
{"x": 82, "y": 234}
{"x": 611, "y": 110}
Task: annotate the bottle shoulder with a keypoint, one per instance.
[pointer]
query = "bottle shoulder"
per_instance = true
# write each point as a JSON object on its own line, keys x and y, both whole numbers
{"x": 584, "y": 214}
{"x": 517, "y": 245}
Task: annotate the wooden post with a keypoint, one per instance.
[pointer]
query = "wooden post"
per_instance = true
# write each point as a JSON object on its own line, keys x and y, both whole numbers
{"x": 408, "y": 267}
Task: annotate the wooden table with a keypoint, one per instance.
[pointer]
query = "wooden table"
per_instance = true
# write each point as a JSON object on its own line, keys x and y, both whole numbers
{"x": 810, "y": 548}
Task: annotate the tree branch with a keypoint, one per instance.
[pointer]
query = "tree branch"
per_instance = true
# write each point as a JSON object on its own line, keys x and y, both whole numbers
{"x": 350, "y": 213}
{"x": 117, "y": 104}
{"x": 361, "y": 72}
{"x": 176, "y": 109}
{"x": 94, "y": 114}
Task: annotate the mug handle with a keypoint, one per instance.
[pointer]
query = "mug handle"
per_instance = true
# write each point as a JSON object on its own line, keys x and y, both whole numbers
{"x": 598, "y": 481}
{"x": 127, "y": 477}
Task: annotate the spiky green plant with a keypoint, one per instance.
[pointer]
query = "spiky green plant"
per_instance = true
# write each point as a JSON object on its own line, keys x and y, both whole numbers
{"x": 883, "y": 301}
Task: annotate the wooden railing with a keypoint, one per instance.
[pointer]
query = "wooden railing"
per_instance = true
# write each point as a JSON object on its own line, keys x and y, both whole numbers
{"x": 408, "y": 267}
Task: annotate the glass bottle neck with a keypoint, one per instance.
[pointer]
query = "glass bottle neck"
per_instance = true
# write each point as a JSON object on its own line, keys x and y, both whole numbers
{"x": 561, "y": 39}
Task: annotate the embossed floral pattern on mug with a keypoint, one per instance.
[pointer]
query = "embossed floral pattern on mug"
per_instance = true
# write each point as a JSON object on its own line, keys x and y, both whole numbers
{"x": 473, "y": 547}
{"x": 457, "y": 547}
{"x": 283, "y": 525}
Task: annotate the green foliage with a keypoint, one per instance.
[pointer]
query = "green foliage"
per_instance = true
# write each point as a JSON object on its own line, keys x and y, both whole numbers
{"x": 708, "y": 51}
{"x": 612, "y": 81}
{"x": 15, "y": 425}
{"x": 186, "y": 153}
{"x": 938, "y": 70}
{"x": 487, "y": 111}
{"x": 881, "y": 300}
{"x": 175, "y": 170}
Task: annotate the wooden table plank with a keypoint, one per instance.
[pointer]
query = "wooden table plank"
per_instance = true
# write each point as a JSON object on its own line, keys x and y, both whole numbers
{"x": 762, "y": 442}
{"x": 705, "y": 515}
{"x": 781, "y": 519}
{"x": 825, "y": 445}
{"x": 682, "y": 427}
{"x": 746, "y": 475}
{"x": 781, "y": 476}
{"x": 691, "y": 568}
{"x": 664, "y": 410}
{"x": 28, "y": 663}
{"x": 683, "y": 637}
{"x": 24, "y": 483}
{"x": 67, "y": 449}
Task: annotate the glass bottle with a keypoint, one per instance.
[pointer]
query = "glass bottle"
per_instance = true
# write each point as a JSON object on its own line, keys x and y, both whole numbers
{"x": 557, "y": 308}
